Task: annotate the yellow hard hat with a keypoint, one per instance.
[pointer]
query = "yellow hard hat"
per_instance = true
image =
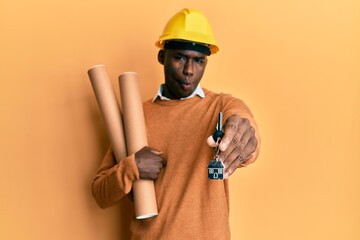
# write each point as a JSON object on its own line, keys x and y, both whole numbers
{"x": 189, "y": 25}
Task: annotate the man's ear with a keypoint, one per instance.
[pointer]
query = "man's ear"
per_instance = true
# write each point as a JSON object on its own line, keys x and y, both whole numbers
{"x": 161, "y": 56}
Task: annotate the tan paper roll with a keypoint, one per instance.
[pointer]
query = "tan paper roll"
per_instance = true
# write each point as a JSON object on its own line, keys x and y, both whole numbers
{"x": 136, "y": 138}
{"x": 109, "y": 108}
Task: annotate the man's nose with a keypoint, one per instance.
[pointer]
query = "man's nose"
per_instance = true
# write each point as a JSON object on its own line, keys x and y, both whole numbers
{"x": 189, "y": 67}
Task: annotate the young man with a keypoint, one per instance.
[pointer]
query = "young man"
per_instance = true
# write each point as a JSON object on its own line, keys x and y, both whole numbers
{"x": 179, "y": 121}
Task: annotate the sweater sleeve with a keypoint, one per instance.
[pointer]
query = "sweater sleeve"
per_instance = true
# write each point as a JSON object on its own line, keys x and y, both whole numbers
{"x": 114, "y": 180}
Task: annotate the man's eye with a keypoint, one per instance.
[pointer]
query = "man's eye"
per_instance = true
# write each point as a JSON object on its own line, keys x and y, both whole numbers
{"x": 199, "y": 60}
{"x": 179, "y": 57}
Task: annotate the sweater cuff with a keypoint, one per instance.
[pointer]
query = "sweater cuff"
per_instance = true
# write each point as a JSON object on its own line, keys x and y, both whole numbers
{"x": 128, "y": 171}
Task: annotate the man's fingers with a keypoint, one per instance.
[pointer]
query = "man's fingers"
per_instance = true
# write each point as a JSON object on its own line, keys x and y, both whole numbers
{"x": 248, "y": 150}
{"x": 231, "y": 127}
{"x": 210, "y": 141}
{"x": 149, "y": 162}
{"x": 240, "y": 156}
{"x": 238, "y": 144}
{"x": 249, "y": 133}
{"x": 229, "y": 155}
{"x": 234, "y": 148}
{"x": 231, "y": 169}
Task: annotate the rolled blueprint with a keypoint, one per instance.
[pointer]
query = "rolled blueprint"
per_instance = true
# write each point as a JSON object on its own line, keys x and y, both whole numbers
{"x": 136, "y": 139}
{"x": 109, "y": 108}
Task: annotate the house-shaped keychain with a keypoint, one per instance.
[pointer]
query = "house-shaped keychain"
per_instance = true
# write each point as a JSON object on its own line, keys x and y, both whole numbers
{"x": 216, "y": 170}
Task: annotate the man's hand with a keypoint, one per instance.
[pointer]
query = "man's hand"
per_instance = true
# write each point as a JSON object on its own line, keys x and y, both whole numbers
{"x": 149, "y": 163}
{"x": 238, "y": 144}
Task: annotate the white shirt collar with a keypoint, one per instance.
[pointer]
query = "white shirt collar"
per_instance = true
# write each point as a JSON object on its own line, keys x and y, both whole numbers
{"x": 198, "y": 91}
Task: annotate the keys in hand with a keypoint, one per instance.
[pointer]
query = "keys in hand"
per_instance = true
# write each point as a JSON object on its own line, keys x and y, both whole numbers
{"x": 216, "y": 168}
{"x": 213, "y": 141}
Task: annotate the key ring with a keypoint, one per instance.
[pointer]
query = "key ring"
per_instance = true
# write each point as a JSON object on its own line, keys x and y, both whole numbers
{"x": 217, "y": 149}
{"x": 216, "y": 168}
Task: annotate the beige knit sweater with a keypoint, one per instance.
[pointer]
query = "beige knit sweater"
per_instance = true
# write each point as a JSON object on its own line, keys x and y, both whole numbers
{"x": 190, "y": 205}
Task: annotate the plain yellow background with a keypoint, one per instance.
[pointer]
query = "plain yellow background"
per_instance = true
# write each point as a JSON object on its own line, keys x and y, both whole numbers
{"x": 295, "y": 63}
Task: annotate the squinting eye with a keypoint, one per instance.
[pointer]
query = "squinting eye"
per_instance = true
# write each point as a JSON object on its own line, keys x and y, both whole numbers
{"x": 199, "y": 60}
{"x": 179, "y": 58}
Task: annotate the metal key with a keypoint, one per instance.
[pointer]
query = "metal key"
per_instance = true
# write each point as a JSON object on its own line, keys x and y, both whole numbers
{"x": 218, "y": 134}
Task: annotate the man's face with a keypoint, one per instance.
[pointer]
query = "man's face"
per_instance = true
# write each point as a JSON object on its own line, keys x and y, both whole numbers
{"x": 183, "y": 71}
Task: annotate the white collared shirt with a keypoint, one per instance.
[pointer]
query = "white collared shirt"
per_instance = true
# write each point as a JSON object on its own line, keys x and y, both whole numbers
{"x": 198, "y": 91}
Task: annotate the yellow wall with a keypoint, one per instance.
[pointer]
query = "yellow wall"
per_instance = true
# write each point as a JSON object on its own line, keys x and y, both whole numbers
{"x": 296, "y": 64}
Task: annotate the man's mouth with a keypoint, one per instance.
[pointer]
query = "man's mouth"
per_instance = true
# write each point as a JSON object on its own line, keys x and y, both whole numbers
{"x": 185, "y": 84}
